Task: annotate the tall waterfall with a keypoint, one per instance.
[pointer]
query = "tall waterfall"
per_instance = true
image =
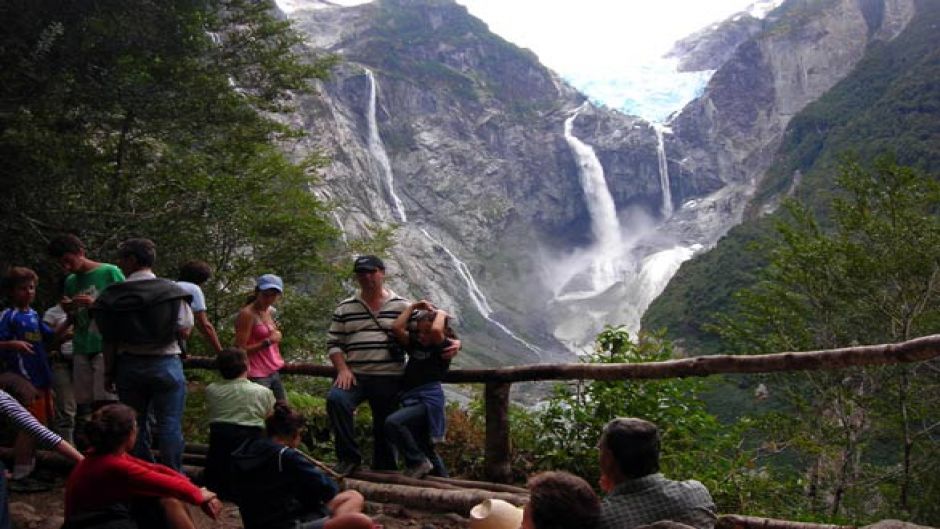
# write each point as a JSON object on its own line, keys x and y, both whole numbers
{"x": 479, "y": 299}
{"x": 659, "y": 129}
{"x": 377, "y": 150}
{"x": 600, "y": 204}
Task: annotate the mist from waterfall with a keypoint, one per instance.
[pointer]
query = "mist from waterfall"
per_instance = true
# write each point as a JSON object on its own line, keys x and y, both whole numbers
{"x": 660, "y": 129}
{"x": 377, "y": 150}
{"x": 600, "y": 205}
{"x": 479, "y": 299}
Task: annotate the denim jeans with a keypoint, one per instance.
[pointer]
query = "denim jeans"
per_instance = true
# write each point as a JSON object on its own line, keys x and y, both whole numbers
{"x": 407, "y": 429}
{"x": 155, "y": 386}
{"x": 382, "y": 394}
{"x": 272, "y": 382}
{"x": 4, "y": 499}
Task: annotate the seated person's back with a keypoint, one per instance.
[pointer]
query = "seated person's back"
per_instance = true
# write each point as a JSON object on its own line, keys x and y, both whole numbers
{"x": 237, "y": 411}
{"x": 637, "y": 493}
{"x": 275, "y": 486}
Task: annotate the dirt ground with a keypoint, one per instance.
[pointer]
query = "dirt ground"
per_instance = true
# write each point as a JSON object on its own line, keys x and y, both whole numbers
{"x": 44, "y": 510}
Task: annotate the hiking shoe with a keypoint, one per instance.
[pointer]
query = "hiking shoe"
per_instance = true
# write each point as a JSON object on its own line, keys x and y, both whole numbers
{"x": 419, "y": 471}
{"x": 29, "y": 484}
{"x": 345, "y": 468}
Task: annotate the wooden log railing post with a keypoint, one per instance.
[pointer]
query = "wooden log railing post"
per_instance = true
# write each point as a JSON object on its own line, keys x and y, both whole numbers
{"x": 496, "y": 458}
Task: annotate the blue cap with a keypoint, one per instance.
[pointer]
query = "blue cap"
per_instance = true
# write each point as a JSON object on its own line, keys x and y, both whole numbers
{"x": 269, "y": 281}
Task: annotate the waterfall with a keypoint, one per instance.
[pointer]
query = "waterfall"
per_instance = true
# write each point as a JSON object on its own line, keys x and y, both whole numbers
{"x": 479, "y": 299}
{"x": 659, "y": 129}
{"x": 600, "y": 204}
{"x": 342, "y": 228}
{"x": 377, "y": 150}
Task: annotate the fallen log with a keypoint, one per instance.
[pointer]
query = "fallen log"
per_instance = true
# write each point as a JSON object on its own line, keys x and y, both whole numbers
{"x": 435, "y": 482}
{"x": 430, "y": 499}
{"x": 737, "y": 521}
{"x": 483, "y": 485}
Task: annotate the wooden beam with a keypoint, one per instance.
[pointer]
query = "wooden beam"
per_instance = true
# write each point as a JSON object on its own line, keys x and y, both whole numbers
{"x": 915, "y": 350}
{"x": 496, "y": 456}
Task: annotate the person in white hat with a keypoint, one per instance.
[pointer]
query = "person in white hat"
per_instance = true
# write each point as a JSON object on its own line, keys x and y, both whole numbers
{"x": 495, "y": 514}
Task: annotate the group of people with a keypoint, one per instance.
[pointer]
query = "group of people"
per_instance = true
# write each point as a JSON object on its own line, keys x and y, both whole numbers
{"x": 113, "y": 346}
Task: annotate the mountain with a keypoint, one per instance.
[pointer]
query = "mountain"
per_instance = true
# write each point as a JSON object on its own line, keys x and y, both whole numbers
{"x": 888, "y": 103}
{"x": 534, "y": 217}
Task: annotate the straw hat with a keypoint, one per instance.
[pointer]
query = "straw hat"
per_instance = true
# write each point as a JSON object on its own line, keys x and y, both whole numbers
{"x": 495, "y": 514}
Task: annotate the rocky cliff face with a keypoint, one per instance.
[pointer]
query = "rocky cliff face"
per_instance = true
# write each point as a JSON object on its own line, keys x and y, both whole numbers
{"x": 459, "y": 138}
{"x": 805, "y": 48}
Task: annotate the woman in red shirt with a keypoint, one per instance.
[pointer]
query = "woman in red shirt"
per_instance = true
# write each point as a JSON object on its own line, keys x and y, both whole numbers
{"x": 110, "y": 486}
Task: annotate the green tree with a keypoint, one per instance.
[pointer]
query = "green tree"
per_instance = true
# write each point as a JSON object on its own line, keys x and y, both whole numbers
{"x": 873, "y": 277}
{"x": 157, "y": 118}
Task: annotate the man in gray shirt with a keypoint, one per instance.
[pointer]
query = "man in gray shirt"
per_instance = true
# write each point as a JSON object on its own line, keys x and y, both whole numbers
{"x": 637, "y": 494}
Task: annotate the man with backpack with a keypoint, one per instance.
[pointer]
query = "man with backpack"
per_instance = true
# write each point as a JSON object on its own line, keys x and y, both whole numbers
{"x": 142, "y": 322}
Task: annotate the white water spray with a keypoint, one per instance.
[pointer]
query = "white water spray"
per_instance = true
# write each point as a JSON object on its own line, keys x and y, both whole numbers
{"x": 377, "y": 150}
{"x": 604, "y": 223}
{"x": 659, "y": 129}
{"x": 479, "y": 299}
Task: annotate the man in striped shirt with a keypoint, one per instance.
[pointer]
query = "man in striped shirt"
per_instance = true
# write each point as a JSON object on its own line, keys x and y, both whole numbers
{"x": 358, "y": 342}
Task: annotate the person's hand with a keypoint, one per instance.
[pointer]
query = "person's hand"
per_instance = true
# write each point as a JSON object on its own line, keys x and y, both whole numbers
{"x": 344, "y": 379}
{"x": 275, "y": 336}
{"x": 210, "y": 503}
{"x": 451, "y": 350}
{"x": 422, "y": 305}
{"x": 83, "y": 300}
{"x": 20, "y": 346}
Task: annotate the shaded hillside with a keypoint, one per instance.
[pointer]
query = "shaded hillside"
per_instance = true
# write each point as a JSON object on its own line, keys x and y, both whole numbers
{"x": 889, "y": 103}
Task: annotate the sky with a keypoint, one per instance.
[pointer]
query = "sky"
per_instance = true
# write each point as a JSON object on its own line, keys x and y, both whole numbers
{"x": 611, "y": 50}
{"x": 599, "y": 34}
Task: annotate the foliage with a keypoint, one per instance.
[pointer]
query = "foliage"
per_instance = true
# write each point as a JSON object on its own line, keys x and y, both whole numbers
{"x": 154, "y": 118}
{"x": 873, "y": 278}
{"x": 890, "y": 103}
{"x": 695, "y": 445}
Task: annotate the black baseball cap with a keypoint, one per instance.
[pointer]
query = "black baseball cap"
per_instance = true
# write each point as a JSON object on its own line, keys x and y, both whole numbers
{"x": 368, "y": 263}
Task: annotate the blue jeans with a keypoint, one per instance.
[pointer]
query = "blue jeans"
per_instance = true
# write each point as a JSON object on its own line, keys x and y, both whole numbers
{"x": 4, "y": 499}
{"x": 382, "y": 394}
{"x": 407, "y": 429}
{"x": 272, "y": 382}
{"x": 155, "y": 386}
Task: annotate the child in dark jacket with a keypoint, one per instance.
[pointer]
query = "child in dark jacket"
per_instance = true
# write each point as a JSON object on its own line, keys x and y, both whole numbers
{"x": 276, "y": 487}
{"x": 419, "y": 423}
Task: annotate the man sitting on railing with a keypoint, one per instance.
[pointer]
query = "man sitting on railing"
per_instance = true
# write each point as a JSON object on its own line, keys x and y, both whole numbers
{"x": 637, "y": 494}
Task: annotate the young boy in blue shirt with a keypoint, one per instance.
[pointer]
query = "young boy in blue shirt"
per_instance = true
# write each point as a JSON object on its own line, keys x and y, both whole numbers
{"x": 23, "y": 353}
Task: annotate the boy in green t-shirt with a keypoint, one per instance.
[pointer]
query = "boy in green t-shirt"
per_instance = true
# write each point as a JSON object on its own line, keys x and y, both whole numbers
{"x": 86, "y": 280}
{"x": 237, "y": 410}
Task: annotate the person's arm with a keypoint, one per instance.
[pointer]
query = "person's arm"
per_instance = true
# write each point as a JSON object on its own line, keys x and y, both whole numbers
{"x": 438, "y": 325}
{"x": 315, "y": 488}
{"x": 148, "y": 479}
{"x": 336, "y": 351}
{"x": 400, "y": 325}
{"x": 23, "y": 420}
{"x": 19, "y": 346}
{"x": 208, "y": 330}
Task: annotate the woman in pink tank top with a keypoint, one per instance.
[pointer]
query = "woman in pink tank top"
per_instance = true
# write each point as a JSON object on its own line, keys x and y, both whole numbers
{"x": 257, "y": 334}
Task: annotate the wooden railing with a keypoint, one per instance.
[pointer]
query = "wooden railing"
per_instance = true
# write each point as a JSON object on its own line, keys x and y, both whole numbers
{"x": 498, "y": 381}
